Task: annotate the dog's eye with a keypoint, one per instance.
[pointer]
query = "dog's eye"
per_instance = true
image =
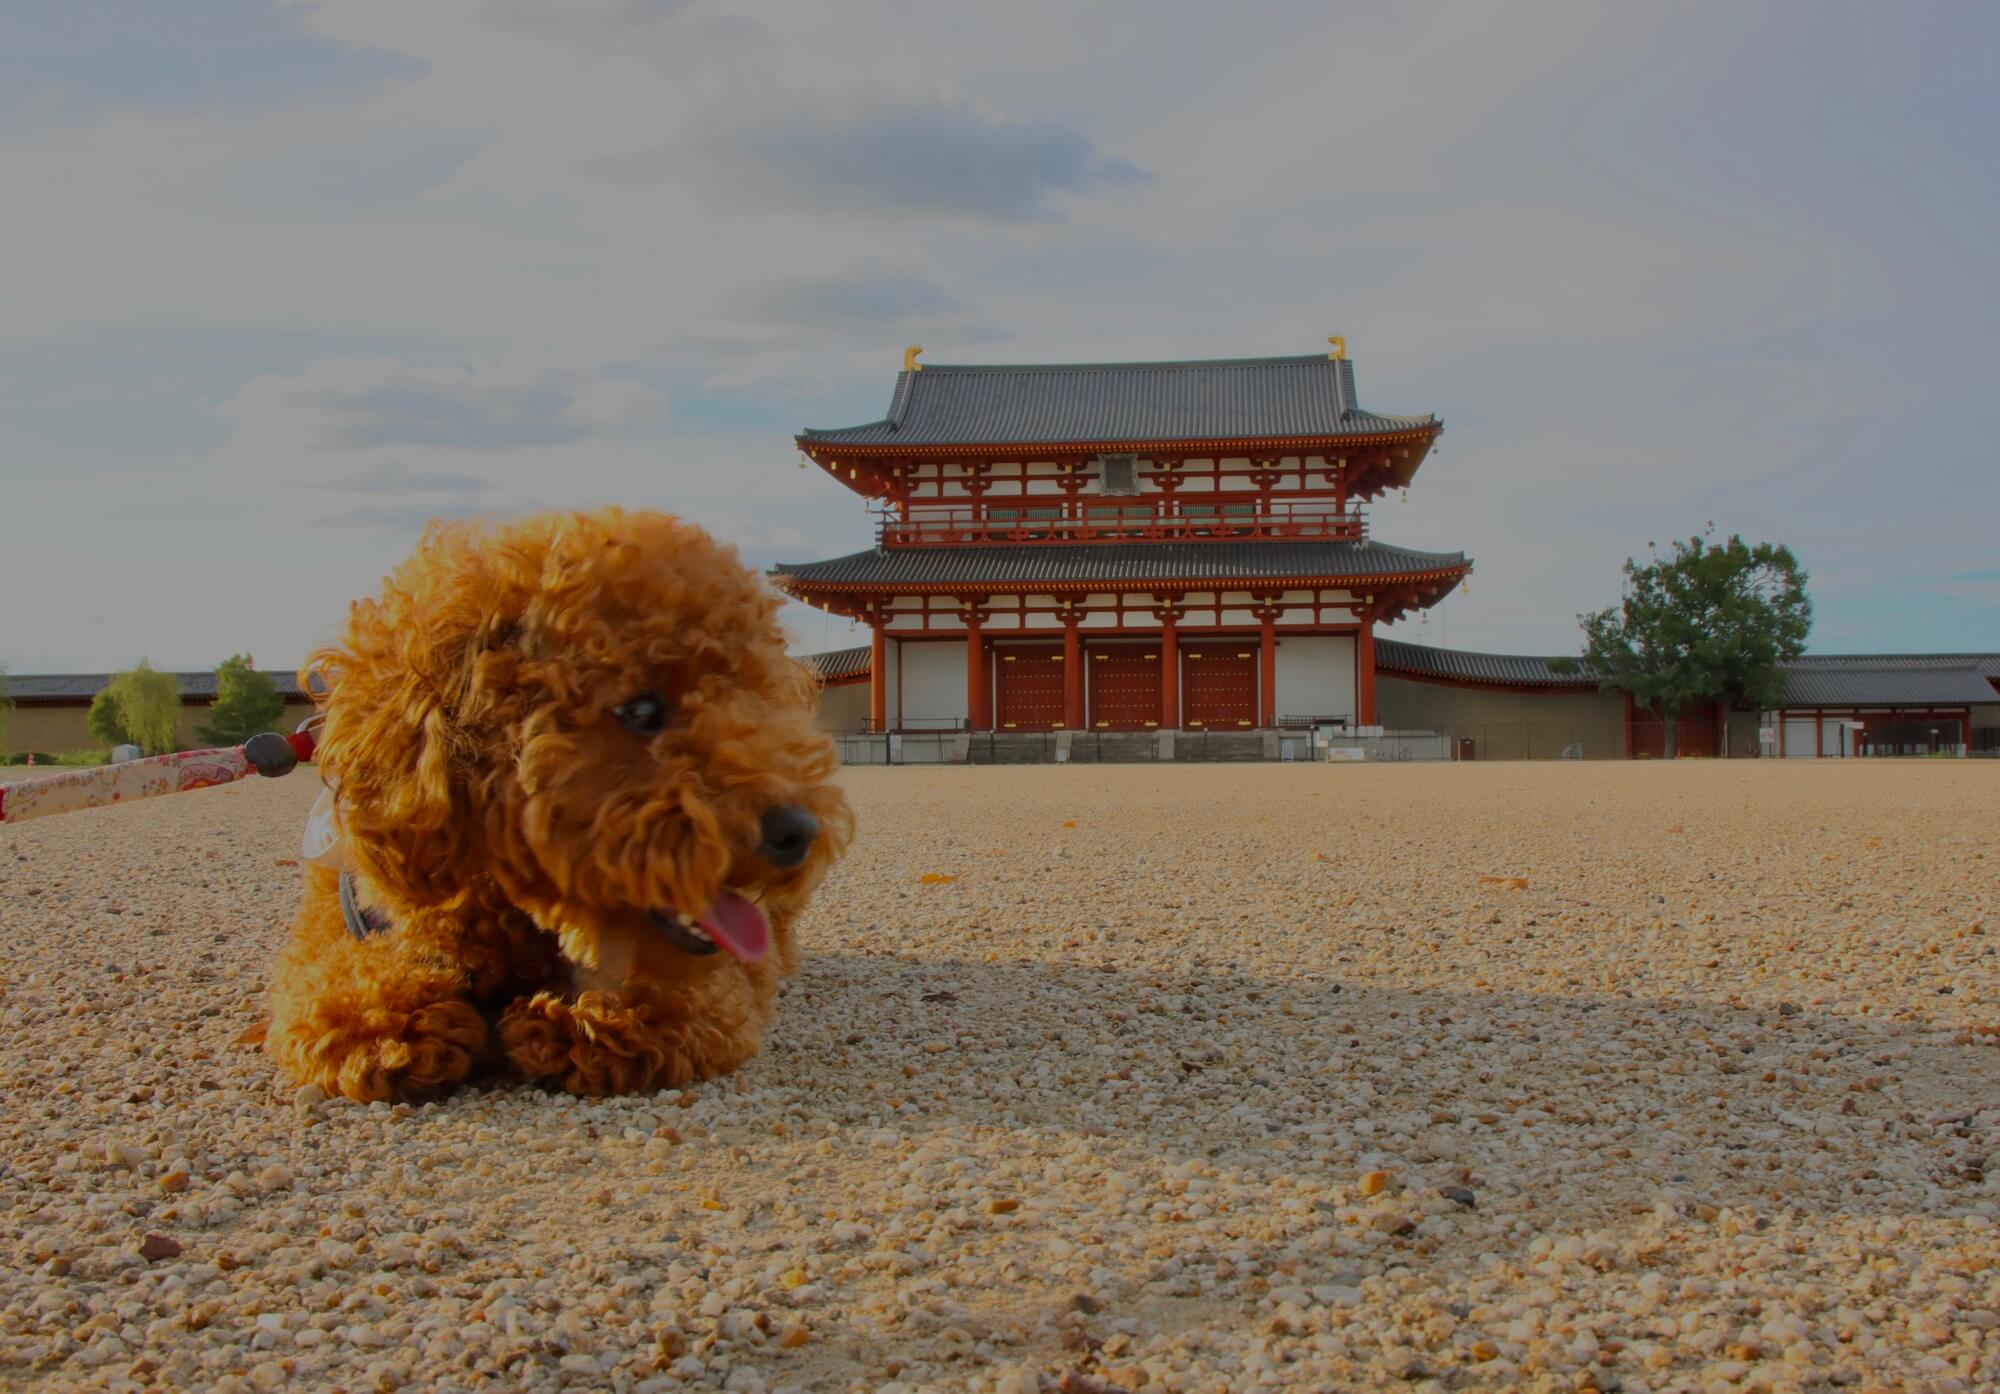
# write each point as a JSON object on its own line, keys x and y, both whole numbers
{"x": 644, "y": 714}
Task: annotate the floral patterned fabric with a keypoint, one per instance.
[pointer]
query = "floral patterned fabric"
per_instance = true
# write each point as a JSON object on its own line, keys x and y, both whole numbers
{"x": 97, "y": 785}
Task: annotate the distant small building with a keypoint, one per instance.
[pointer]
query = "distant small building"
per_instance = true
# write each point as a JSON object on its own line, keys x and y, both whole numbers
{"x": 50, "y": 708}
{"x": 1886, "y": 704}
{"x": 1516, "y": 707}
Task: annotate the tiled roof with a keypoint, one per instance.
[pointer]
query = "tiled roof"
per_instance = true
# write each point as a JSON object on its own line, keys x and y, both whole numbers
{"x": 1521, "y": 670}
{"x": 1987, "y": 665}
{"x": 1216, "y": 399}
{"x": 1911, "y": 685}
{"x": 837, "y": 663}
{"x": 31, "y": 688}
{"x": 1813, "y": 680}
{"x": 1112, "y": 564}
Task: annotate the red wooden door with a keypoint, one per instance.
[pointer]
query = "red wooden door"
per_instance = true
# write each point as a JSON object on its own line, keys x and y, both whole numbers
{"x": 1219, "y": 685}
{"x": 1694, "y": 734}
{"x": 1030, "y": 684}
{"x": 1124, "y": 687}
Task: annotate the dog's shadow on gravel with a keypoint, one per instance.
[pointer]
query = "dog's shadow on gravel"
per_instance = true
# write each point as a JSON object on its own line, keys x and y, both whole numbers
{"x": 1614, "y": 1099}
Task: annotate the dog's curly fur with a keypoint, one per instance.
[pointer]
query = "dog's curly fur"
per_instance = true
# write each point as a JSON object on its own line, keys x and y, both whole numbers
{"x": 517, "y": 833}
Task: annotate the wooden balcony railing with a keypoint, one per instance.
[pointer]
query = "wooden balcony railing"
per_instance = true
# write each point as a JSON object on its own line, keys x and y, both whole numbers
{"x": 963, "y": 527}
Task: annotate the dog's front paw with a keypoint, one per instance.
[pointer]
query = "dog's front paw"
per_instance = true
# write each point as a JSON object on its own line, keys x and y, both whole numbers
{"x": 596, "y": 1045}
{"x": 377, "y": 1053}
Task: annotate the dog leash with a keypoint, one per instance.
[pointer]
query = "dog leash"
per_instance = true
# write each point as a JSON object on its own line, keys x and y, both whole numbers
{"x": 95, "y": 786}
{"x": 267, "y": 753}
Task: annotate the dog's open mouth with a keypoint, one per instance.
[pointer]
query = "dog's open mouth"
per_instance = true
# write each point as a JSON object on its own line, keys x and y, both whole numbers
{"x": 730, "y": 922}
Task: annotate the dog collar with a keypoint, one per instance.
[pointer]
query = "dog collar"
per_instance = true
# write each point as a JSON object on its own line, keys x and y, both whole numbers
{"x": 363, "y": 922}
{"x": 325, "y": 844}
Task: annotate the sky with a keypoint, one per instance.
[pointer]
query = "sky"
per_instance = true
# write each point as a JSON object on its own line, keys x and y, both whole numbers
{"x": 282, "y": 280}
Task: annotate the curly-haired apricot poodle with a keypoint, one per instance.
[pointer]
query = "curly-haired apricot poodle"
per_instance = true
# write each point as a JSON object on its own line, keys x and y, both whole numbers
{"x": 581, "y": 800}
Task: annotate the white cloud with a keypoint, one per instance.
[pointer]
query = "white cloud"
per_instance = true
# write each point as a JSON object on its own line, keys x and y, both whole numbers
{"x": 400, "y": 477}
{"x": 870, "y": 294}
{"x": 1652, "y": 268}
{"x": 454, "y": 439}
{"x": 875, "y": 156}
{"x": 358, "y": 404}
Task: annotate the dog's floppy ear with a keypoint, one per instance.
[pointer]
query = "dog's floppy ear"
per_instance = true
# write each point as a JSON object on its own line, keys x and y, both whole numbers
{"x": 401, "y": 769}
{"x": 395, "y": 746}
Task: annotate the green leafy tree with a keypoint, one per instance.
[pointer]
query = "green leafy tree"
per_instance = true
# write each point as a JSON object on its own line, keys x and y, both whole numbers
{"x": 141, "y": 706}
{"x": 104, "y": 721}
{"x": 246, "y": 702}
{"x": 1708, "y": 622}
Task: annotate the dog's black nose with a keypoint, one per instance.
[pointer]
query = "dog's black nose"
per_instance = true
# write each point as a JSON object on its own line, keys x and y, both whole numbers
{"x": 788, "y": 835}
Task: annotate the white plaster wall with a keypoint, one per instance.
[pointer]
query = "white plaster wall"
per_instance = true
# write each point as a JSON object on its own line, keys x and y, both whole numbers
{"x": 1315, "y": 675}
{"x": 933, "y": 680}
{"x": 1099, "y": 618}
{"x": 843, "y": 708}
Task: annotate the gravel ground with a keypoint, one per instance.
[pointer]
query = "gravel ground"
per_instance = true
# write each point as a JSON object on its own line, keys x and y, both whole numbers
{"x": 1641, "y": 1077}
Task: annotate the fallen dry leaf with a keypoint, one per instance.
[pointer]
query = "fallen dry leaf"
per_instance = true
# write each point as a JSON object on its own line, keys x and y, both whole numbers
{"x": 287, "y": 861}
{"x": 158, "y": 1246}
{"x": 936, "y": 878}
{"x": 1512, "y": 883}
{"x": 1070, "y": 824}
{"x": 254, "y": 1034}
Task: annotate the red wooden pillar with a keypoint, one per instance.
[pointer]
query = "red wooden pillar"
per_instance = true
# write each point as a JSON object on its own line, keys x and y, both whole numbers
{"x": 976, "y": 718}
{"x": 878, "y": 678}
{"x": 1072, "y": 675}
{"x": 1267, "y": 673}
{"x": 1170, "y": 677}
{"x": 1364, "y": 672}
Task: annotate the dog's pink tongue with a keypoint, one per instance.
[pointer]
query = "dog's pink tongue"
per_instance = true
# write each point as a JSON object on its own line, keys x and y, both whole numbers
{"x": 738, "y": 926}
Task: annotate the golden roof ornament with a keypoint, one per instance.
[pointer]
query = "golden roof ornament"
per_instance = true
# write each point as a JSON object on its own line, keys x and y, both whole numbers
{"x": 910, "y": 364}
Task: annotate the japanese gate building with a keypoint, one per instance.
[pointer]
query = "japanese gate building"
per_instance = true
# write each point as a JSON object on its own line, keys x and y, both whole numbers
{"x": 1124, "y": 546}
